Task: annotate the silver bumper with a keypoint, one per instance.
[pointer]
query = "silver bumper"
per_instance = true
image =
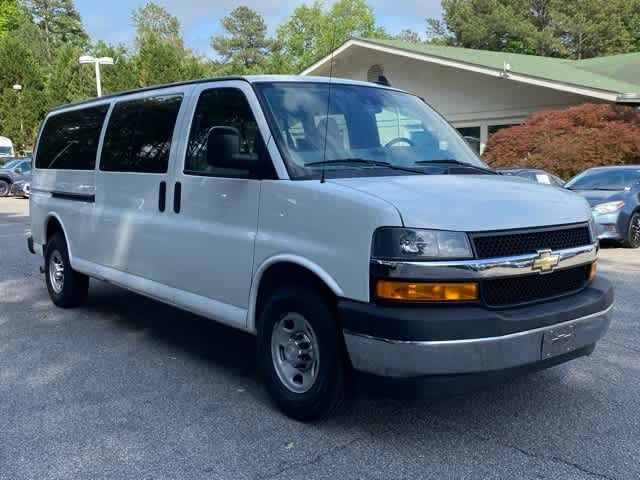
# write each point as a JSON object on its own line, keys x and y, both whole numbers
{"x": 394, "y": 358}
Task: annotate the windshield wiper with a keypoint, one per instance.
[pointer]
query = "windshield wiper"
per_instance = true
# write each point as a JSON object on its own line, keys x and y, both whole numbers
{"x": 363, "y": 161}
{"x": 451, "y": 161}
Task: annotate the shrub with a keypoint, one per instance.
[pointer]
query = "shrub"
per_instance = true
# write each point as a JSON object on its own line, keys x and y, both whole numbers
{"x": 566, "y": 142}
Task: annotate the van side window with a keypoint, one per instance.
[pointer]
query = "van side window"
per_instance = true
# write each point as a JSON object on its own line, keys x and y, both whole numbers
{"x": 69, "y": 140}
{"x": 138, "y": 138}
{"x": 223, "y": 107}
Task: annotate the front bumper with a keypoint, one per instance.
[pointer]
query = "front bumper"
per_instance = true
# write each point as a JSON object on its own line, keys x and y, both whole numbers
{"x": 609, "y": 226}
{"x": 406, "y": 342}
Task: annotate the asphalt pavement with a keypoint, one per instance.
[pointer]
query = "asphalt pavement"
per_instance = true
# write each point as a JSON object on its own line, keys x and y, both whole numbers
{"x": 126, "y": 387}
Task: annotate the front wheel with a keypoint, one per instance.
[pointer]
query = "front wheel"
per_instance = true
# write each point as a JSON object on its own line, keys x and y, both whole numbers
{"x": 633, "y": 236}
{"x": 67, "y": 288}
{"x": 4, "y": 188}
{"x": 300, "y": 354}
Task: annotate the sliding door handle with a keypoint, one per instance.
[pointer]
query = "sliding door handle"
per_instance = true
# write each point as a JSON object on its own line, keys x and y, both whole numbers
{"x": 177, "y": 194}
{"x": 162, "y": 196}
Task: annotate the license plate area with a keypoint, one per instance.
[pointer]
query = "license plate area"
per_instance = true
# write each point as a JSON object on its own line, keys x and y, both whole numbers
{"x": 558, "y": 341}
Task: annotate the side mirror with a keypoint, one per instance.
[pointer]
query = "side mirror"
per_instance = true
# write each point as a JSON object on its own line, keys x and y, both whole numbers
{"x": 223, "y": 150}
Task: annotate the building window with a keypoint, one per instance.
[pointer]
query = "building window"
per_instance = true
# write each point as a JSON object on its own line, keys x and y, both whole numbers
{"x": 472, "y": 137}
{"x": 496, "y": 128}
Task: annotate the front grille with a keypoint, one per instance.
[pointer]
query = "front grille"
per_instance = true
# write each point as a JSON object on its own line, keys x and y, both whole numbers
{"x": 521, "y": 243}
{"x": 503, "y": 292}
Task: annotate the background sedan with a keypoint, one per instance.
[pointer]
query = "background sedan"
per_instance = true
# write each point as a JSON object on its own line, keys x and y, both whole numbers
{"x": 614, "y": 196}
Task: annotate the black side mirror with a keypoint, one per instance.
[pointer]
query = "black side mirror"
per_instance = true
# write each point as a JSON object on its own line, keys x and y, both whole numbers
{"x": 223, "y": 150}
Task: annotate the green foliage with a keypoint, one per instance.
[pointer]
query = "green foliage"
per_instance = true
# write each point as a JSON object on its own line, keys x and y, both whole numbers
{"x": 311, "y": 32}
{"x": 9, "y": 14}
{"x": 576, "y": 29}
{"x": 59, "y": 22}
{"x": 154, "y": 23}
{"x": 27, "y": 106}
{"x": 245, "y": 46}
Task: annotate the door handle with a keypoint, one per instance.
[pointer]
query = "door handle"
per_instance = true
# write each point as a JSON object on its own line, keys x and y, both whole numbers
{"x": 162, "y": 197}
{"x": 177, "y": 194}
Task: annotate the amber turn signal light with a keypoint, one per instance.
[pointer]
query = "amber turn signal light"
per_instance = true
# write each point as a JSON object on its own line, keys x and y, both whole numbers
{"x": 594, "y": 269}
{"x": 427, "y": 292}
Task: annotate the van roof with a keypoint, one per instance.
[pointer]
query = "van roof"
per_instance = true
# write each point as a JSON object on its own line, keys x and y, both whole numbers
{"x": 5, "y": 142}
{"x": 247, "y": 78}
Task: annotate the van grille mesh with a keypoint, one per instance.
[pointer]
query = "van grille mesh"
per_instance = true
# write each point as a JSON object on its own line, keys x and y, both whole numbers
{"x": 506, "y": 244}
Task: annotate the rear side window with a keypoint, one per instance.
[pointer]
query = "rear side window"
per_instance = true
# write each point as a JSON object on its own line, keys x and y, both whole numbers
{"x": 69, "y": 141}
{"x": 139, "y": 134}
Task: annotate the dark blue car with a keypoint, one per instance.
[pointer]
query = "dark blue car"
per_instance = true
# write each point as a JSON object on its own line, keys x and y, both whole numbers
{"x": 614, "y": 196}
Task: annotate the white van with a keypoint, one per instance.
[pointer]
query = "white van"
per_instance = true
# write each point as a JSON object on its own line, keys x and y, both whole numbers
{"x": 6, "y": 148}
{"x": 344, "y": 223}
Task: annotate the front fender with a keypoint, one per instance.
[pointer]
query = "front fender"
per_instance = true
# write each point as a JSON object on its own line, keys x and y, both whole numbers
{"x": 328, "y": 280}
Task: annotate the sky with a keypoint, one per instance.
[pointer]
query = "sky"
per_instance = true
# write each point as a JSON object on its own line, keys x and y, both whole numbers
{"x": 111, "y": 20}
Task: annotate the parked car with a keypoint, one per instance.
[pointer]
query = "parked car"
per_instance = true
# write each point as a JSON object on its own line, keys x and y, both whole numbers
{"x": 533, "y": 174}
{"x": 356, "y": 233}
{"x": 6, "y": 148}
{"x": 14, "y": 171}
{"x": 21, "y": 188}
{"x": 614, "y": 195}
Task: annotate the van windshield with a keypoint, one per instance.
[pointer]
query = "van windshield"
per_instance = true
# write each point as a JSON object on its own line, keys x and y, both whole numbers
{"x": 5, "y": 151}
{"x": 359, "y": 130}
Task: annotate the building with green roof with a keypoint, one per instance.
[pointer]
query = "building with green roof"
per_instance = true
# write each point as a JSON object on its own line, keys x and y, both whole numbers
{"x": 481, "y": 91}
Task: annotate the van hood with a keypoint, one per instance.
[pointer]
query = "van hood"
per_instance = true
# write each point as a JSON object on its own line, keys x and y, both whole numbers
{"x": 473, "y": 203}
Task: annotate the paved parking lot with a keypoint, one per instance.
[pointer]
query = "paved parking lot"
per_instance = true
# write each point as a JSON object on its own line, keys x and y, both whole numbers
{"x": 126, "y": 387}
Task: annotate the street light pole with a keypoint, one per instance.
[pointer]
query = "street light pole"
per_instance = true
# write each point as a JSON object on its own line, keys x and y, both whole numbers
{"x": 97, "y": 62}
{"x": 18, "y": 89}
{"x": 98, "y": 80}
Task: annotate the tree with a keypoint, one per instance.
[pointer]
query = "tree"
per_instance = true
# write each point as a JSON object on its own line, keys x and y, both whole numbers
{"x": 577, "y": 29}
{"x": 20, "y": 112}
{"x": 591, "y": 28}
{"x": 59, "y": 21}
{"x": 569, "y": 141}
{"x": 160, "y": 56}
{"x": 311, "y": 32}
{"x": 9, "y": 13}
{"x": 68, "y": 80}
{"x": 408, "y": 35}
{"x": 154, "y": 22}
{"x": 245, "y": 45}
{"x": 500, "y": 25}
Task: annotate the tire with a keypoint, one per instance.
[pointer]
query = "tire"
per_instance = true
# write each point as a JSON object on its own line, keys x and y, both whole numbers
{"x": 633, "y": 235}
{"x": 5, "y": 188}
{"x": 71, "y": 289}
{"x": 320, "y": 389}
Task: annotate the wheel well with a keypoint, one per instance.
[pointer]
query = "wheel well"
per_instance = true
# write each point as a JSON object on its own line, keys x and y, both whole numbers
{"x": 53, "y": 227}
{"x": 289, "y": 273}
{"x": 6, "y": 179}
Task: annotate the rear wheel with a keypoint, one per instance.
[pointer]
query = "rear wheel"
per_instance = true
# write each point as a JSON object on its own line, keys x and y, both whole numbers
{"x": 67, "y": 288}
{"x": 4, "y": 188}
{"x": 300, "y": 353}
{"x": 633, "y": 236}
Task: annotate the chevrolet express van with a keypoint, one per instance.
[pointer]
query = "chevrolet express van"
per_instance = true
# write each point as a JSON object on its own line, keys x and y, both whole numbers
{"x": 344, "y": 223}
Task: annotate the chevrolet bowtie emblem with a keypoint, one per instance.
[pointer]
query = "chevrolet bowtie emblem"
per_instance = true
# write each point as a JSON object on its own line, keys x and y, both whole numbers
{"x": 546, "y": 261}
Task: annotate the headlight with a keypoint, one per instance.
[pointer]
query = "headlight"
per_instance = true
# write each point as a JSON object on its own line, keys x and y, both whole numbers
{"x": 416, "y": 244}
{"x": 608, "y": 207}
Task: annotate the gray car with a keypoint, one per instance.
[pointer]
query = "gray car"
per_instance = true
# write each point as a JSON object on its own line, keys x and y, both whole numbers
{"x": 18, "y": 170}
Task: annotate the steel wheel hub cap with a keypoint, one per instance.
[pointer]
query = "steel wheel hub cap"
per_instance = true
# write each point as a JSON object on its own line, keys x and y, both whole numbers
{"x": 56, "y": 271}
{"x": 295, "y": 353}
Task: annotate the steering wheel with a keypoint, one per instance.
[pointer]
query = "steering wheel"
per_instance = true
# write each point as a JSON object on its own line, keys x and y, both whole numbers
{"x": 400, "y": 140}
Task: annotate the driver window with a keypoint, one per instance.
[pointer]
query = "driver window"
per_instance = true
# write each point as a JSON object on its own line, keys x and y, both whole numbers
{"x": 222, "y": 107}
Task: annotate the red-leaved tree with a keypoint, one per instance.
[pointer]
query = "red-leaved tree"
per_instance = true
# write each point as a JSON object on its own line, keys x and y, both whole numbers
{"x": 566, "y": 142}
